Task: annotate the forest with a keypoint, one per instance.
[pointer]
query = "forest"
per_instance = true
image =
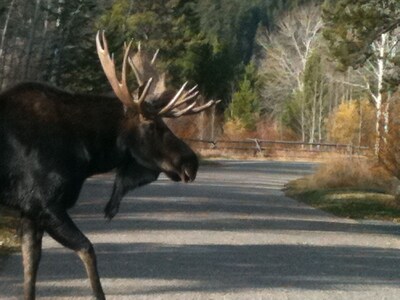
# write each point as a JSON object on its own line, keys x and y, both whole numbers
{"x": 310, "y": 71}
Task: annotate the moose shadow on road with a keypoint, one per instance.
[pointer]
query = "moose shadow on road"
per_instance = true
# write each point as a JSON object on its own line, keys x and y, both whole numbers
{"x": 218, "y": 268}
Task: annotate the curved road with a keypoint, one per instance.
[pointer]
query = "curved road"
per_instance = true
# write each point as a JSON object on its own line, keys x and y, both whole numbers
{"x": 230, "y": 235}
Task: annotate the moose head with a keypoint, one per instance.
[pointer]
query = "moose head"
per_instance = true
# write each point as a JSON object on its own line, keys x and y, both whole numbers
{"x": 152, "y": 145}
{"x": 150, "y": 141}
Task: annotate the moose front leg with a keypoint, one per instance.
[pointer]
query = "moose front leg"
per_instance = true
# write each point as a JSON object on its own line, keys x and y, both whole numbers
{"x": 31, "y": 245}
{"x": 60, "y": 227}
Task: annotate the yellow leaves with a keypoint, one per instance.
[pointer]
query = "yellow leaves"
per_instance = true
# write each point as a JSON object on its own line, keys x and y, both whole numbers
{"x": 353, "y": 123}
{"x": 235, "y": 129}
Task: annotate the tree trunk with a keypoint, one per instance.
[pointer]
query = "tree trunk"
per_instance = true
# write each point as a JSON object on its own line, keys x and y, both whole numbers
{"x": 360, "y": 124}
{"x": 321, "y": 109}
{"x": 313, "y": 114}
{"x": 302, "y": 120}
{"x": 44, "y": 42}
{"x": 31, "y": 39}
{"x": 2, "y": 45}
{"x": 5, "y": 28}
{"x": 202, "y": 123}
{"x": 378, "y": 97}
{"x": 55, "y": 72}
{"x": 13, "y": 75}
{"x": 212, "y": 112}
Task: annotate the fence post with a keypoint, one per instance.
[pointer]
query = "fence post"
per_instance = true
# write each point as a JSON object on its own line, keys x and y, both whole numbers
{"x": 257, "y": 146}
{"x": 351, "y": 149}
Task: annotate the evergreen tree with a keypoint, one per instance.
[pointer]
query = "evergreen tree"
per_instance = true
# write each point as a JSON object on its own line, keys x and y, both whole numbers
{"x": 245, "y": 105}
{"x": 351, "y": 27}
{"x": 306, "y": 109}
{"x": 71, "y": 40}
{"x": 174, "y": 27}
{"x": 314, "y": 97}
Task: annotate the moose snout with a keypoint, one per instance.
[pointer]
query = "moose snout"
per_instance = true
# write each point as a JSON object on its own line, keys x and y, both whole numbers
{"x": 189, "y": 173}
{"x": 181, "y": 168}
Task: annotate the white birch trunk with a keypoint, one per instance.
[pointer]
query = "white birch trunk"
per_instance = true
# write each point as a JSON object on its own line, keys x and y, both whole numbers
{"x": 56, "y": 51}
{"x": 321, "y": 110}
{"x": 302, "y": 120}
{"x": 212, "y": 112}
{"x": 381, "y": 45}
{"x": 313, "y": 114}
{"x": 201, "y": 125}
{"x": 5, "y": 28}
{"x": 44, "y": 40}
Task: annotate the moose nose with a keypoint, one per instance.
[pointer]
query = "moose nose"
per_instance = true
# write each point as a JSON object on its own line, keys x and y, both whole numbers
{"x": 189, "y": 168}
{"x": 188, "y": 174}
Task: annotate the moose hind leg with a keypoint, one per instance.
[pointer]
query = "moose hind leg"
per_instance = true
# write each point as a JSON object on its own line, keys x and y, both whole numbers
{"x": 61, "y": 228}
{"x": 31, "y": 245}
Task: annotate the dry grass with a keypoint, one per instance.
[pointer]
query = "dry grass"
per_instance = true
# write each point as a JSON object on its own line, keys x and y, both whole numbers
{"x": 354, "y": 173}
{"x": 351, "y": 188}
{"x": 9, "y": 240}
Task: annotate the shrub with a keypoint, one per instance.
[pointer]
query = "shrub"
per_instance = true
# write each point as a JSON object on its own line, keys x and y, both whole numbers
{"x": 234, "y": 129}
{"x": 270, "y": 129}
{"x": 352, "y": 173}
{"x": 245, "y": 105}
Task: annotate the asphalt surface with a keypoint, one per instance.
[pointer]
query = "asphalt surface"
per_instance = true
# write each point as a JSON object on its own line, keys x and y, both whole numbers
{"x": 230, "y": 235}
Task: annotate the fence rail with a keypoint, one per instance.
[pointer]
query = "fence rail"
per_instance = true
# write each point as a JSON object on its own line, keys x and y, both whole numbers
{"x": 271, "y": 147}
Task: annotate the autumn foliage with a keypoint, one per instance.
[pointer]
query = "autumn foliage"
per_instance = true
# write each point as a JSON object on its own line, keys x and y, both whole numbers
{"x": 353, "y": 123}
{"x": 390, "y": 154}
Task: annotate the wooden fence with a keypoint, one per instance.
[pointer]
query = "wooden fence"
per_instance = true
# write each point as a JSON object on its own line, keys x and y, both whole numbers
{"x": 275, "y": 148}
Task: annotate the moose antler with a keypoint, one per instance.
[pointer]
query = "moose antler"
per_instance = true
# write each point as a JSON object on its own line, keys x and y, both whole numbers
{"x": 171, "y": 111}
{"x": 145, "y": 72}
{"x": 144, "y": 69}
{"x": 120, "y": 88}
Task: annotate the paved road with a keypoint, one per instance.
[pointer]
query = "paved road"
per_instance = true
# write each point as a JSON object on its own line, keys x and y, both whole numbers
{"x": 230, "y": 235}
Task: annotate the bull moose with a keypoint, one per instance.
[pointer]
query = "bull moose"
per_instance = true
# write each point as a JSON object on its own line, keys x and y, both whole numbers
{"x": 52, "y": 140}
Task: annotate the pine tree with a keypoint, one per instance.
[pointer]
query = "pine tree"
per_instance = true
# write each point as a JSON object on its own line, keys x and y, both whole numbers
{"x": 351, "y": 27}
{"x": 245, "y": 105}
{"x": 70, "y": 63}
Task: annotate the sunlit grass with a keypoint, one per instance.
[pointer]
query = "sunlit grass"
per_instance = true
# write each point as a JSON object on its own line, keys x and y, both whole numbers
{"x": 349, "y": 188}
{"x": 9, "y": 240}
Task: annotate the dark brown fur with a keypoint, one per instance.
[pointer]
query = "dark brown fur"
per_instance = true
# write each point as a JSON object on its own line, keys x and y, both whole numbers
{"x": 52, "y": 140}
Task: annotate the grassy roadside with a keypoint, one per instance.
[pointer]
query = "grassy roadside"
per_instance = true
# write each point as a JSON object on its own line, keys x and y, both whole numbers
{"x": 9, "y": 241}
{"x": 347, "y": 202}
{"x": 350, "y": 188}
